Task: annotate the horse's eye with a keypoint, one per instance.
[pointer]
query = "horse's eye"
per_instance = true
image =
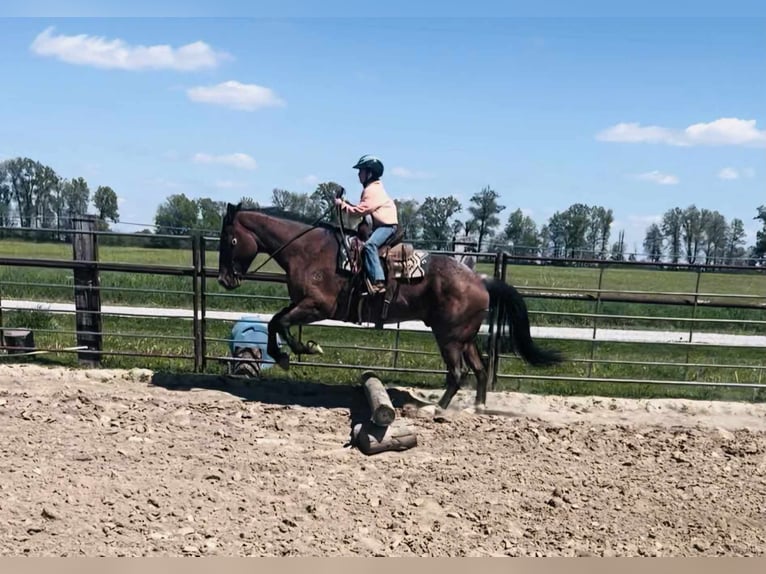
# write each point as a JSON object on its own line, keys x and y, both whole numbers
{"x": 233, "y": 240}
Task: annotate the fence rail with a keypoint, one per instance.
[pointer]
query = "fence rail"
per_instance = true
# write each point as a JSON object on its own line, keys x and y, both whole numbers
{"x": 91, "y": 348}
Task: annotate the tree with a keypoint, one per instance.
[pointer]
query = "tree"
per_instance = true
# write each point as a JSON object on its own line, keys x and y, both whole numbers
{"x": 58, "y": 205}
{"x": 671, "y": 229}
{"x": 298, "y": 203}
{"x": 576, "y": 220}
{"x": 759, "y": 249}
{"x": 76, "y": 197}
{"x": 248, "y": 202}
{"x": 435, "y": 215}
{"x": 618, "y": 248}
{"x": 210, "y": 214}
{"x": 653, "y": 243}
{"x": 521, "y": 231}
{"x": 601, "y": 220}
{"x": 484, "y": 213}
{"x": 322, "y": 199}
{"x": 105, "y": 202}
{"x": 691, "y": 229}
{"x": 554, "y": 235}
{"x": 177, "y": 215}
{"x": 6, "y": 196}
{"x": 29, "y": 183}
{"x": 735, "y": 242}
{"x": 715, "y": 231}
{"x": 409, "y": 217}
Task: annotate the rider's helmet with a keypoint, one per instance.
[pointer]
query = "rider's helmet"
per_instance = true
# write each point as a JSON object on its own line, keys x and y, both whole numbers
{"x": 372, "y": 164}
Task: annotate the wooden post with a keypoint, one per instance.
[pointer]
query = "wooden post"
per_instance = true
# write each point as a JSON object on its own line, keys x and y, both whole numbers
{"x": 202, "y": 305}
{"x": 195, "y": 242}
{"x": 87, "y": 292}
{"x": 374, "y": 439}
{"x": 198, "y": 300}
{"x": 382, "y": 409}
{"x": 494, "y": 328}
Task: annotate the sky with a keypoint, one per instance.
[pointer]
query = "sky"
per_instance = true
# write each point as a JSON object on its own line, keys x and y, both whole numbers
{"x": 637, "y": 114}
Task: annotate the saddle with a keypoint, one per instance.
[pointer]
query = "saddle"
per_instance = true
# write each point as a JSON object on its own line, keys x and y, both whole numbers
{"x": 401, "y": 263}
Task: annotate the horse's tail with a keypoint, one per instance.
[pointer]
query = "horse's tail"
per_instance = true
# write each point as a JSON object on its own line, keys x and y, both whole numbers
{"x": 512, "y": 313}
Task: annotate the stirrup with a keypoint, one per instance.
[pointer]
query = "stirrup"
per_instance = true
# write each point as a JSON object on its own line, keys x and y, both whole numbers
{"x": 371, "y": 289}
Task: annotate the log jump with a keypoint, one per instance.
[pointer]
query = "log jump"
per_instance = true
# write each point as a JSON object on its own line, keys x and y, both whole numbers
{"x": 382, "y": 432}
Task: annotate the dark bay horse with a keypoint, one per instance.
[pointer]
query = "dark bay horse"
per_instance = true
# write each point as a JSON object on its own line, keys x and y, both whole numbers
{"x": 450, "y": 298}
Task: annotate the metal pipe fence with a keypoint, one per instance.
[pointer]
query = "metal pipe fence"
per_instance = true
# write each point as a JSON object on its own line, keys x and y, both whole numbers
{"x": 197, "y": 338}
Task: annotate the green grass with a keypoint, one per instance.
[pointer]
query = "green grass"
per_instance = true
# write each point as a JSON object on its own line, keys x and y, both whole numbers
{"x": 342, "y": 346}
{"x": 416, "y": 351}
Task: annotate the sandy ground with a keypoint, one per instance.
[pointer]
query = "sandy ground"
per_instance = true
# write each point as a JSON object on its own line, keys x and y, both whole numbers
{"x": 131, "y": 463}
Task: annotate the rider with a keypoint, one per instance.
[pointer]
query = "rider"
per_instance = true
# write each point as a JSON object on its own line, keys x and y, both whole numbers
{"x": 382, "y": 209}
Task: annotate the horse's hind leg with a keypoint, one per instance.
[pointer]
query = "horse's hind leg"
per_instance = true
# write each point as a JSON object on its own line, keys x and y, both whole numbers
{"x": 452, "y": 353}
{"x": 472, "y": 356}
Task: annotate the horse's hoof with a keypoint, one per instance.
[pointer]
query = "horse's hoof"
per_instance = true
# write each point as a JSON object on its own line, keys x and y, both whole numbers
{"x": 314, "y": 348}
{"x": 284, "y": 361}
{"x": 442, "y": 415}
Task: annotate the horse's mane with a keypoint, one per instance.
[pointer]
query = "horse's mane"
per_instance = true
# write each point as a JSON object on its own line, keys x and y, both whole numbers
{"x": 275, "y": 211}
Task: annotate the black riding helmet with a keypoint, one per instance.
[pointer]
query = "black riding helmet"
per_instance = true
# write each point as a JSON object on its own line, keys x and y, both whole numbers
{"x": 371, "y": 164}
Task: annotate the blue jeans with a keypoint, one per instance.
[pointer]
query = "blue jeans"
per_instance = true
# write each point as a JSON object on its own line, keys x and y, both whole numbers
{"x": 371, "y": 259}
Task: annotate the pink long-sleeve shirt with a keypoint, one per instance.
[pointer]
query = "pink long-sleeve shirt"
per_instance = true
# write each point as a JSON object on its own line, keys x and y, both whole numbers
{"x": 377, "y": 203}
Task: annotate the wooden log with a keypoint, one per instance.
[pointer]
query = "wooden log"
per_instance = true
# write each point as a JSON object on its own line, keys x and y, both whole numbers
{"x": 370, "y": 438}
{"x": 18, "y": 341}
{"x": 382, "y": 409}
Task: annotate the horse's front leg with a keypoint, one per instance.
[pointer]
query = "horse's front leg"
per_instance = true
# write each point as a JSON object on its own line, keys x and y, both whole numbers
{"x": 281, "y": 323}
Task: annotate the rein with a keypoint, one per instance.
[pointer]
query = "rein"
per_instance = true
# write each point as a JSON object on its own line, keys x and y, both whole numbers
{"x": 302, "y": 233}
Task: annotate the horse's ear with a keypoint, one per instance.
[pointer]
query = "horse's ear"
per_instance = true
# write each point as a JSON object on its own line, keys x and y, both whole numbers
{"x": 239, "y": 206}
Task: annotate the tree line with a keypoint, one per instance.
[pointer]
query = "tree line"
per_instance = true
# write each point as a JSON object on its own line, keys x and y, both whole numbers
{"x": 684, "y": 235}
{"x": 33, "y": 195}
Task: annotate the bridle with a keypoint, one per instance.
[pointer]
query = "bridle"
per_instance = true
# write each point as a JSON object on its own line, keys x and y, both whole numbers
{"x": 313, "y": 225}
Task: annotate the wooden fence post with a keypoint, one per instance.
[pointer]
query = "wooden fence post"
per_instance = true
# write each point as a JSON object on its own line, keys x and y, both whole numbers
{"x": 202, "y": 304}
{"x": 198, "y": 262}
{"x": 494, "y": 327}
{"x": 87, "y": 290}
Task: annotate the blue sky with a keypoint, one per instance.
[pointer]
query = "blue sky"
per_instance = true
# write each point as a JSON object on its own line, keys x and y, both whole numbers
{"x": 635, "y": 114}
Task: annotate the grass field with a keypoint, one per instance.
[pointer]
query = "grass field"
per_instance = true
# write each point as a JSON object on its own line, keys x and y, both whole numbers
{"x": 417, "y": 351}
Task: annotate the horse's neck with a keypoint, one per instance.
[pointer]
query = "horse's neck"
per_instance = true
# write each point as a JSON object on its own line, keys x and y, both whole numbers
{"x": 280, "y": 238}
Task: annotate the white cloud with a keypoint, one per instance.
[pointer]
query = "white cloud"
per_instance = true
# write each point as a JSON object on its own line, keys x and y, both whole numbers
{"x": 101, "y": 52}
{"x": 723, "y": 131}
{"x": 406, "y": 173}
{"x": 659, "y": 177}
{"x": 310, "y": 180}
{"x": 238, "y": 160}
{"x": 728, "y": 173}
{"x": 120, "y": 200}
{"x": 235, "y": 95}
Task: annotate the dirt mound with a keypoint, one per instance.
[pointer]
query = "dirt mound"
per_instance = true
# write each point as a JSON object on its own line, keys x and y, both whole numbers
{"x": 128, "y": 463}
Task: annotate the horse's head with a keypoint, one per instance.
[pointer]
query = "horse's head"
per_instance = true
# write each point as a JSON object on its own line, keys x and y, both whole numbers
{"x": 236, "y": 250}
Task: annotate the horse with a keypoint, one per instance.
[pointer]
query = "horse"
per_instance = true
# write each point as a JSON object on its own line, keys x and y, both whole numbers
{"x": 448, "y": 296}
